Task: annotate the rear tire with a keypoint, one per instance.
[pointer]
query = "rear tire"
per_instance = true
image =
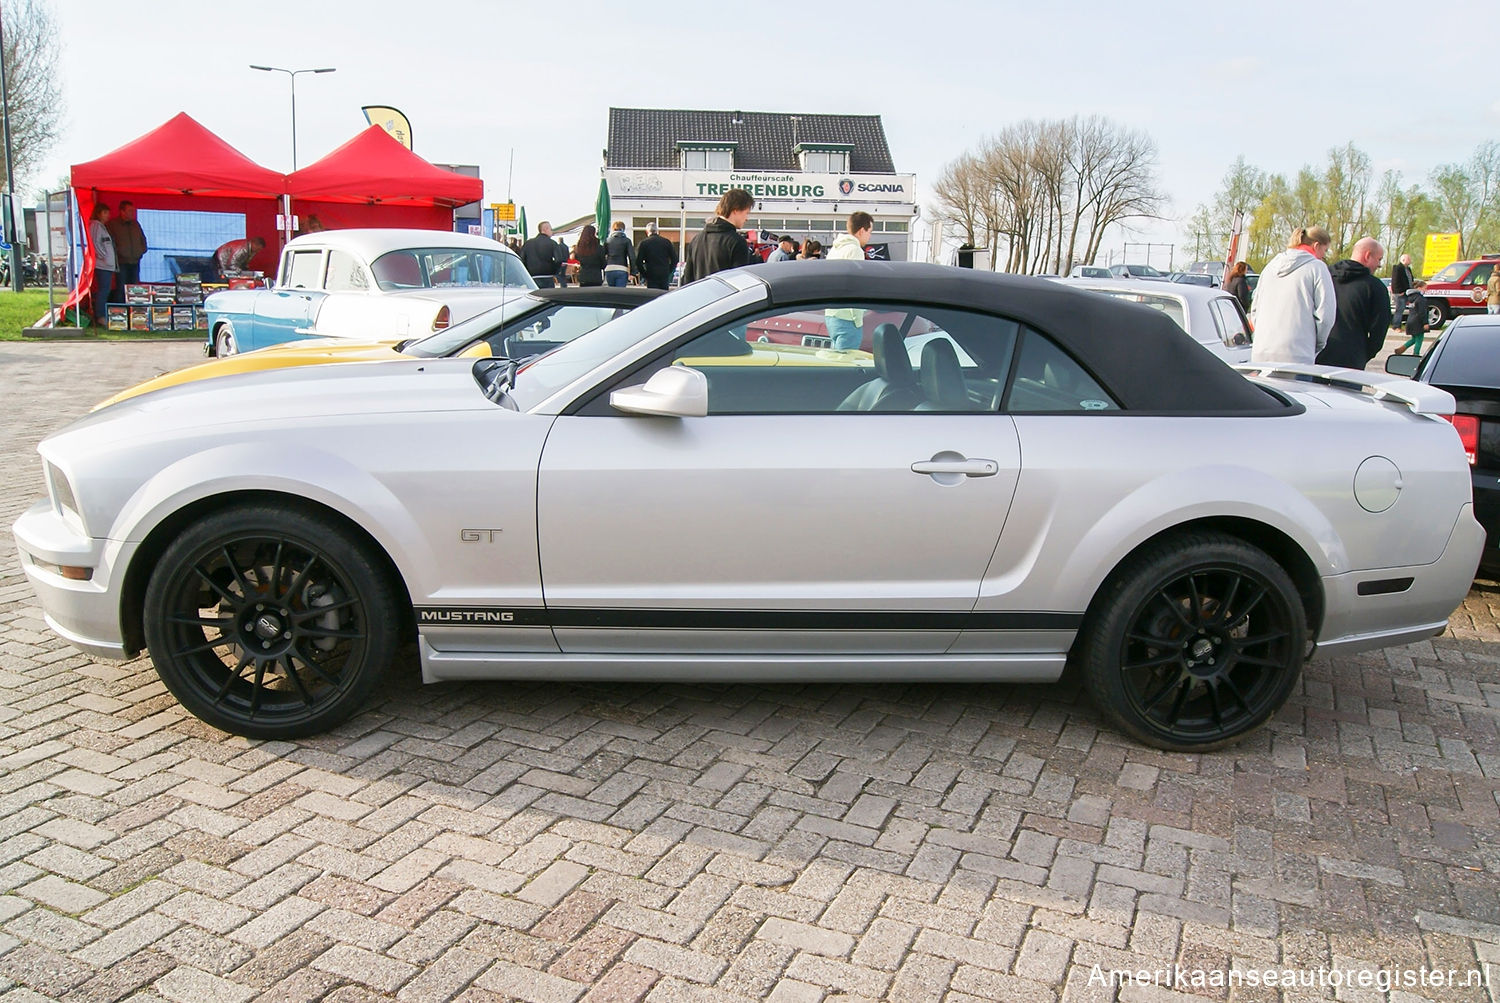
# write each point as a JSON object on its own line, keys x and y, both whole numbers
{"x": 270, "y": 622}
{"x": 1193, "y": 642}
{"x": 1437, "y": 314}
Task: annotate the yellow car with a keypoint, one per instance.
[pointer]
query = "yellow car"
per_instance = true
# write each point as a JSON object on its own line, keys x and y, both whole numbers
{"x": 525, "y": 325}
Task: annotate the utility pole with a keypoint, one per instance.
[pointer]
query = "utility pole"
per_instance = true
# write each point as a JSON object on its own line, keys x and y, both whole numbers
{"x": 17, "y": 280}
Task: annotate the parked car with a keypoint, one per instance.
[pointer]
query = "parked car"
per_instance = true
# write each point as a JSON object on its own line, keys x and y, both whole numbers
{"x": 1211, "y": 316}
{"x": 366, "y": 284}
{"x": 1137, "y": 272}
{"x": 527, "y": 323}
{"x": 1465, "y": 361}
{"x": 1091, "y": 487}
{"x": 1090, "y": 272}
{"x": 1192, "y": 279}
{"x": 1458, "y": 289}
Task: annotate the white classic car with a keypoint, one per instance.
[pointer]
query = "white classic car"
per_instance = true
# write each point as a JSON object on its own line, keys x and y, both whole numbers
{"x": 1213, "y": 317}
{"x": 367, "y": 284}
{"x": 1059, "y": 477}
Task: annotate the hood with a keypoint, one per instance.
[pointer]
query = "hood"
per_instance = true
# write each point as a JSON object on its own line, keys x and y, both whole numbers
{"x": 1288, "y": 261}
{"x": 1347, "y": 271}
{"x": 846, "y": 239}
{"x": 719, "y": 225}
{"x": 318, "y": 352}
{"x": 278, "y": 396}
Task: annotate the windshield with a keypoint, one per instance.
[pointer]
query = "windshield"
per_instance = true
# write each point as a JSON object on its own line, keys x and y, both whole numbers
{"x": 452, "y": 340}
{"x": 1452, "y": 273}
{"x": 555, "y": 370}
{"x": 445, "y": 267}
{"x": 1169, "y": 305}
{"x": 1141, "y": 270}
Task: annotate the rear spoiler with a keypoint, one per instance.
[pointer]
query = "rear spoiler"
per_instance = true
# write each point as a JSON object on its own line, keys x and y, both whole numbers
{"x": 1422, "y": 398}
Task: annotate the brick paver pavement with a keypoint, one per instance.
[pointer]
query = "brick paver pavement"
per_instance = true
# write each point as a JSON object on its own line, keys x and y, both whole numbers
{"x": 561, "y": 842}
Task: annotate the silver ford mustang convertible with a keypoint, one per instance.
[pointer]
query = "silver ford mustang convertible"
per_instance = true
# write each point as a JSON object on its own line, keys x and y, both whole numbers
{"x": 1007, "y": 475}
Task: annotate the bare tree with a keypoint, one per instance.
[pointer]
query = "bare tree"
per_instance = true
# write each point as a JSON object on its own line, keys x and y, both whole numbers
{"x": 961, "y": 193}
{"x": 32, "y": 44}
{"x": 1345, "y": 189}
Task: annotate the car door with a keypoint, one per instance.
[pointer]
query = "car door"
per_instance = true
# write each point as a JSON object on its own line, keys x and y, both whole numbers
{"x": 282, "y": 312}
{"x": 800, "y": 514}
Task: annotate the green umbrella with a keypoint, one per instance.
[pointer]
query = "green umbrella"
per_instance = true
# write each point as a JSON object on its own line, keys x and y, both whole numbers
{"x": 601, "y": 209}
{"x": 521, "y": 223}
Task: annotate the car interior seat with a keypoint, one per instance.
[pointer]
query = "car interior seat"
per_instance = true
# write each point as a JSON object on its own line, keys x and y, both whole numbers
{"x": 894, "y": 386}
{"x": 942, "y": 378}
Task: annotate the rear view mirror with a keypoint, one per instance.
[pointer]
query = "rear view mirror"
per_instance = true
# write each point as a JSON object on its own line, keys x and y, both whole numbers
{"x": 674, "y": 392}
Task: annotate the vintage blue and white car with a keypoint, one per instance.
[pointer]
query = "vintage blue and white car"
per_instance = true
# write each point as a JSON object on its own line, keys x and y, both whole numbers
{"x": 1052, "y": 477}
{"x": 368, "y": 284}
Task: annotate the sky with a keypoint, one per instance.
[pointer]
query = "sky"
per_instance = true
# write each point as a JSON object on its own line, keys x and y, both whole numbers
{"x": 1279, "y": 82}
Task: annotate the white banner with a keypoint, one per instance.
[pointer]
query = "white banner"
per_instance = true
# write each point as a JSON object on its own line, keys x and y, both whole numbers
{"x": 764, "y": 185}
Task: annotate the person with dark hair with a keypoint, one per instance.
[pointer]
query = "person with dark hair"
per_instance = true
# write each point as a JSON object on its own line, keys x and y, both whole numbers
{"x": 620, "y": 254}
{"x": 1238, "y": 284}
{"x": 130, "y": 243}
{"x": 1416, "y": 319}
{"x": 846, "y": 325}
{"x": 721, "y": 246}
{"x": 656, "y": 259}
{"x": 812, "y": 250}
{"x": 591, "y": 257}
{"x": 104, "y": 261}
{"x": 236, "y": 255}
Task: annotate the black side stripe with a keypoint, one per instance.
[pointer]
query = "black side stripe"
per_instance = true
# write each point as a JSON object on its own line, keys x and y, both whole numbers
{"x": 710, "y": 619}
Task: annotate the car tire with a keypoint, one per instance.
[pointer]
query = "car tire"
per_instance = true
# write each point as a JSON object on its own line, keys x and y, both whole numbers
{"x": 1193, "y": 642}
{"x": 270, "y": 622}
{"x": 225, "y": 344}
{"x": 1437, "y": 314}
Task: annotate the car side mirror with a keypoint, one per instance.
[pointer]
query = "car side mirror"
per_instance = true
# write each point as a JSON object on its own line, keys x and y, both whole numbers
{"x": 674, "y": 392}
{"x": 1403, "y": 365}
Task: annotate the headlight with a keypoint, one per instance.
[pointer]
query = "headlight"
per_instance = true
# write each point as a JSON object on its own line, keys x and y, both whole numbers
{"x": 62, "y": 492}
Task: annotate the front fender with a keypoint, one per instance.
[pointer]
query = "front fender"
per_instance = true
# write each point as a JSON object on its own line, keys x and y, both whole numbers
{"x": 322, "y": 477}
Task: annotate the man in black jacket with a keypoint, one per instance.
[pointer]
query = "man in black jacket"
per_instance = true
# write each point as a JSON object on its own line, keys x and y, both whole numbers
{"x": 1364, "y": 308}
{"x": 1400, "y": 286}
{"x": 540, "y": 256}
{"x": 720, "y": 246}
{"x": 656, "y": 259}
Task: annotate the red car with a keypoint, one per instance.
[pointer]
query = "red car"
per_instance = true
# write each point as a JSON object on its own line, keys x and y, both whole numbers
{"x": 1458, "y": 289}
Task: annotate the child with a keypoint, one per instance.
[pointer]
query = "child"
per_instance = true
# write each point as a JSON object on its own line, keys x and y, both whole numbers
{"x": 1416, "y": 318}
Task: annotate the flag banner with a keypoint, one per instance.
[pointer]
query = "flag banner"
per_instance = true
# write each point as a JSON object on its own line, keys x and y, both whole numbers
{"x": 391, "y": 120}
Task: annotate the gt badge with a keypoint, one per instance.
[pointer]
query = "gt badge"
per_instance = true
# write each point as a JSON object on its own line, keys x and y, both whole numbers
{"x": 479, "y": 535}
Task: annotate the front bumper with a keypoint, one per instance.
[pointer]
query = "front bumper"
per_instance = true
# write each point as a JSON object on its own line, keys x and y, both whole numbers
{"x": 84, "y": 613}
{"x": 1354, "y": 622}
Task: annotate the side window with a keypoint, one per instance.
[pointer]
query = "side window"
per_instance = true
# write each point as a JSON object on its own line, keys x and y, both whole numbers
{"x": 345, "y": 273}
{"x": 1048, "y": 379}
{"x": 831, "y": 358}
{"x": 1481, "y": 274}
{"x": 306, "y": 270}
{"x": 1231, "y": 319}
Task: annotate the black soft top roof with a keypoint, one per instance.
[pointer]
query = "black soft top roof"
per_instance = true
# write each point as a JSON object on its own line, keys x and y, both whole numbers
{"x": 1144, "y": 359}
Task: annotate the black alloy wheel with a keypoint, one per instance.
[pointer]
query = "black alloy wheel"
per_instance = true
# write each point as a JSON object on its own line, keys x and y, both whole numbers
{"x": 1194, "y": 642}
{"x": 269, "y": 623}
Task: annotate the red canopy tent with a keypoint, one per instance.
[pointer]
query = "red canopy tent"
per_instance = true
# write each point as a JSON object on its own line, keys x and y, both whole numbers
{"x": 179, "y": 165}
{"x": 373, "y": 180}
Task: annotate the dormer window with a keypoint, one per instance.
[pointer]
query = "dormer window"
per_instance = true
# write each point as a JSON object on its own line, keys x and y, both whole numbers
{"x": 824, "y": 158}
{"x": 704, "y": 156}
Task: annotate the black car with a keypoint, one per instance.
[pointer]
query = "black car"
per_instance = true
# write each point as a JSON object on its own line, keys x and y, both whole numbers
{"x": 534, "y": 323}
{"x": 1466, "y": 363}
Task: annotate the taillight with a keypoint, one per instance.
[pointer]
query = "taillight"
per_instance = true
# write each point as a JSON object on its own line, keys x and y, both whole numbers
{"x": 1468, "y": 434}
{"x": 442, "y": 319}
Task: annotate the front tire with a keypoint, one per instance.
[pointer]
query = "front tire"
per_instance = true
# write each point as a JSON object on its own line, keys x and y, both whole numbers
{"x": 270, "y": 622}
{"x": 1193, "y": 642}
{"x": 225, "y": 344}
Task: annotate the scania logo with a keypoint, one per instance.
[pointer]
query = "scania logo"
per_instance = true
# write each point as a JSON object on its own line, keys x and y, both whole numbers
{"x": 846, "y": 186}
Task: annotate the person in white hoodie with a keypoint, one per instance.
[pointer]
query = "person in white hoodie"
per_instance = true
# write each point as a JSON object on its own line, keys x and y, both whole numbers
{"x": 846, "y": 327}
{"x": 1294, "y": 303}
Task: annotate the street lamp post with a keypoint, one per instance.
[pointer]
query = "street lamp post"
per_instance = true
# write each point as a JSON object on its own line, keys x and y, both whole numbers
{"x": 292, "y": 76}
{"x": 17, "y": 280}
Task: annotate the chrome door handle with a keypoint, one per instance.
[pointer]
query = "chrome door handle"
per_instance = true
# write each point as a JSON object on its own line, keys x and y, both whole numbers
{"x": 969, "y": 468}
